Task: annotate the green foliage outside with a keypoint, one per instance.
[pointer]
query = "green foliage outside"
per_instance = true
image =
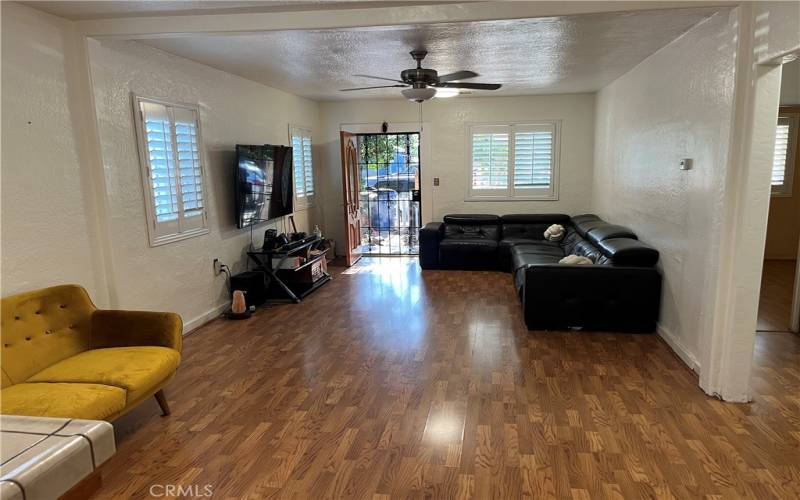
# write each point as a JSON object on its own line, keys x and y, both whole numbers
{"x": 379, "y": 150}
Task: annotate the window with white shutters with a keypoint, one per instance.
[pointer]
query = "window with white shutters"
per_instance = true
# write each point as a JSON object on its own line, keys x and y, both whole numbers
{"x": 303, "y": 168}
{"x": 172, "y": 170}
{"x": 513, "y": 161}
{"x": 784, "y": 158}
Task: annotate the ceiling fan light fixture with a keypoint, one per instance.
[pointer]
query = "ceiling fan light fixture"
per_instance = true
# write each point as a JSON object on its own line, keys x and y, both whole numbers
{"x": 446, "y": 92}
{"x": 418, "y": 95}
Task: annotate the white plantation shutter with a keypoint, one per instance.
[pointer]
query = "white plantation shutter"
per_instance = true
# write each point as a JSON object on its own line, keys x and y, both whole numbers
{"x": 164, "y": 184}
{"x": 303, "y": 167}
{"x": 172, "y": 171}
{"x": 533, "y": 156}
{"x": 783, "y": 159}
{"x": 490, "y": 154}
{"x": 308, "y": 171}
{"x": 516, "y": 161}
{"x": 297, "y": 159}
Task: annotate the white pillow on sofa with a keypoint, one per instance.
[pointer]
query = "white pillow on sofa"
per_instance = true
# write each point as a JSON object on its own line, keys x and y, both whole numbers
{"x": 575, "y": 259}
{"x": 554, "y": 233}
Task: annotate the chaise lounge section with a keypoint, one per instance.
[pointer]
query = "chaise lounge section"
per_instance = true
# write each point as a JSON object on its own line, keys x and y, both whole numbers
{"x": 620, "y": 291}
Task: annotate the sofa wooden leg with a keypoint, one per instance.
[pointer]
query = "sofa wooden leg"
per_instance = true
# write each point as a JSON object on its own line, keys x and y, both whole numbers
{"x": 162, "y": 402}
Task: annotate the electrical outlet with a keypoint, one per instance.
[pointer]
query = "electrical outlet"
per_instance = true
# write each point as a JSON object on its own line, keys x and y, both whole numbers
{"x": 217, "y": 269}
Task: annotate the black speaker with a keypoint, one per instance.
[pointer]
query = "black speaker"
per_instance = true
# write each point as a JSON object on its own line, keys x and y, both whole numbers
{"x": 254, "y": 286}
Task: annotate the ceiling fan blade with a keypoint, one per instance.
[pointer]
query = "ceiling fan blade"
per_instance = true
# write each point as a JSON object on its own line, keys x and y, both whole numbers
{"x": 476, "y": 86}
{"x": 377, "y": 87}
{"x": 458, "y": 75}
{"x": 380, "y": 78}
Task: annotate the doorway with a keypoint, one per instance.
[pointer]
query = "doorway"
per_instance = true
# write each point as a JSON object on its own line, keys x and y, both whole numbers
{"x": 390, "y": 198}
{"x": 778, "y": 301}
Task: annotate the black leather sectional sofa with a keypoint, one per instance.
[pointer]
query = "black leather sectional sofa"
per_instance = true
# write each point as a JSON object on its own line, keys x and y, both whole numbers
{"x": 621, "y": 291}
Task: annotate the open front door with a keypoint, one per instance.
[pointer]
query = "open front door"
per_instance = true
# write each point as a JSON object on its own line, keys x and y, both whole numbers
{"x": 352, "y": 192}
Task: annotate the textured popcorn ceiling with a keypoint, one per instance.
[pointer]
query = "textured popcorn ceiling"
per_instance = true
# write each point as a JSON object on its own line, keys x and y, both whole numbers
{"x": 546, "y": 55}
{"x": 80, "y": 10}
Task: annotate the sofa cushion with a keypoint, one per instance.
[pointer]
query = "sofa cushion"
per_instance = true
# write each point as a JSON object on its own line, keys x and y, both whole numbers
{"x": 585, "y": 249}
{"x": 535, "y": 219}
{"x": 534, "y": 259}
{"x": 521, "y": 260}
{"x": 470, "y": 232}
{"x": 43, "y": 327}
{"x": 471, "y": 219}
{"x": 468, "y": 253}
{"x": 584, "y": 218}
{"x": 585, "y": 226}
{"x": 540, "y": 248}
{"x": 628, "y": 252}
{"x": 608, "y": 231}
{"x": 529, "y": 226}
{"x": 82, "y": 401}
{"x": 471, "y": 227}
{"x": 137, "y": 370}
{"x": 507, "y": 243}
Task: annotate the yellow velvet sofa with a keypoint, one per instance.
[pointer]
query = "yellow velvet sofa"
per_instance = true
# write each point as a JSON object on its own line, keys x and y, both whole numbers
{"x": 62, "y": 357}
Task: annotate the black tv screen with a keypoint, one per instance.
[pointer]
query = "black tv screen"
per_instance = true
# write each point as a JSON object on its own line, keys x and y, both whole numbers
{"x": 264, "y": 184}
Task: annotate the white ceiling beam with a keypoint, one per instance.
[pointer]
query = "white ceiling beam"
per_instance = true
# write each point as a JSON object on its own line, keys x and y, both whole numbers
{"x": 221, "y": 24}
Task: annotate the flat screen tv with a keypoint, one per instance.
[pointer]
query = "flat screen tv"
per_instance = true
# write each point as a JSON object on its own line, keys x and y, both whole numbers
{"x": 264, "y": 184}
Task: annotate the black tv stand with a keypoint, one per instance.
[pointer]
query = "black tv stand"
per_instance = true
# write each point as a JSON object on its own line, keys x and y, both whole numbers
{"x": 293, "y": 291}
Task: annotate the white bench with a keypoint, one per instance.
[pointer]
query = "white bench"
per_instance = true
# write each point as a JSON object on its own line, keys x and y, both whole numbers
{"x": 45, "y": 458}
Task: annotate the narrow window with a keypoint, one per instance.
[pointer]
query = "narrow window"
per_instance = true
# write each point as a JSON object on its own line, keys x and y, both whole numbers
{"x": 303, "y": 168}
{"x": 172, "y": 170}
{"x": 783, "y": 161}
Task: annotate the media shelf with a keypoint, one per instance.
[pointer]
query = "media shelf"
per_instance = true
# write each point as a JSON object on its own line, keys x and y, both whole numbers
{"x": 296, "y": 283}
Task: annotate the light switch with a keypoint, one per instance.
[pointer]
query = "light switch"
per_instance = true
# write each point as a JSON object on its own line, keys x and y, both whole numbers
{"x": 435, "y": 181}
{"x": 686, "y": 164}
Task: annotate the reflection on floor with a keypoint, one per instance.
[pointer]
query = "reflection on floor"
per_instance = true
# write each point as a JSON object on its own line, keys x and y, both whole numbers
{"x": 391, "y": 242}
{"x": 776, "y": 296}
{"x": 392, "y": 382}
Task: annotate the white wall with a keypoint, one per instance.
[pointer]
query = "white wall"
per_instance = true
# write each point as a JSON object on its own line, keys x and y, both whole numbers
{"x": 447, "y": 120}
{"x": 675, "y": 104}
{"x": 51, "y": 231}
{"x": 179, "y": 276}
{"x": 790, "y": 83}
{"x": 45, "y": 222}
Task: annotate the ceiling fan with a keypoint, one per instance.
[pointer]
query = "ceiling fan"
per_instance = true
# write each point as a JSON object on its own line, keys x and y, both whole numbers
{"x": 424, "y": 82}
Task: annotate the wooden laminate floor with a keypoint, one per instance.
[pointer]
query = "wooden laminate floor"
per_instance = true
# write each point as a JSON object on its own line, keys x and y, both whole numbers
{"x": 392, "y": 383}
{"x": 777, "y": 282}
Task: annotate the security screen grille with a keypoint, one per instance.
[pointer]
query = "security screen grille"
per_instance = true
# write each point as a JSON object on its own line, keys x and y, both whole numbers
{"x": 390, "y": 209}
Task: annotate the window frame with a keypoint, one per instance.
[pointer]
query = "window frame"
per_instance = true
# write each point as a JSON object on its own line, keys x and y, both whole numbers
{"x": 786, "y": 189}
{"x": 154, "y": 236}
{"x": 511, "y": 193}
{"x": 303, "y": 202}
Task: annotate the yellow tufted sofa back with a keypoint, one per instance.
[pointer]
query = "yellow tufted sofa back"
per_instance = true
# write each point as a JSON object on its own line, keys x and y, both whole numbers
{"x": 41, "y": 328}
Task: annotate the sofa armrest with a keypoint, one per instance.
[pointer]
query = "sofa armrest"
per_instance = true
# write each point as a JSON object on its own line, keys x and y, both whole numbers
{"x": 136, "y": 328}
{"x": 429, "y": 238}
{"x": 593, "y": 297}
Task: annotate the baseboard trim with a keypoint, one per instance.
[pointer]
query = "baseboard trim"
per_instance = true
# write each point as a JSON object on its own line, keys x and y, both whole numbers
{"x": 204, "y": 318}
{"x": 678, "y": 348}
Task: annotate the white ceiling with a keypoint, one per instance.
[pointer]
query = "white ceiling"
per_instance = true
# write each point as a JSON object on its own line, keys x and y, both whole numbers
{"x": 84, "y": 10}
{"x": 546, "y": 55}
